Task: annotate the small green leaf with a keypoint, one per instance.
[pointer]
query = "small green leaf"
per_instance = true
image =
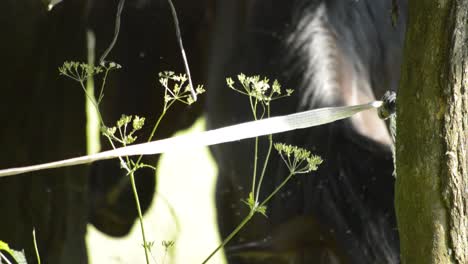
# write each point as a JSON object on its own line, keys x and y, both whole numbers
{"x": 251, "y": 198}
{"x": 262, "y": 210}
{"x": 250, "y": 201}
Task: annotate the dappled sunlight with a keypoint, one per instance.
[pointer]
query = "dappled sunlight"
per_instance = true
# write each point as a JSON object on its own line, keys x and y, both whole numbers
{"x": 185, "y": 185}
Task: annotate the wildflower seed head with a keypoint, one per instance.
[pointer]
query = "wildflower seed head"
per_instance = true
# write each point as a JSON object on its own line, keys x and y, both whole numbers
{"x": 241, "y": 77}
{"x": 129, "y": 139}
{"x": 298, "y": 160}
{"x": 108, "y": 131}
{"x": 168, "y": 98}
{"x": 138, "y": 123}
{"x": 124, "y": 120}
{"x": 177, "y": 88}
{"x": 81, "y": 71}
{"x": 200, "y": 89}
{"x": 190, "y": 100}
{"x": 276, "y": 87}
{"x": 230, "y": 82}
{"x": 313, "y": 161}
{"x": 261, "y": 89}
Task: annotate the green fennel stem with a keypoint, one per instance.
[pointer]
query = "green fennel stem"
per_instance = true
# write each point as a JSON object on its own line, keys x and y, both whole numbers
{"x": 265, "y": 163}
{"x": 254, "y": 180}
{"x": 225, "y": 241}
{"x": 93, "y": 101}
{"x": 103, "y": 84}
{"x": 137, "y": 202}
{"x": 140, "y": 215}
{"x": 277, "y": 189}
{"x": 155, "y": 127}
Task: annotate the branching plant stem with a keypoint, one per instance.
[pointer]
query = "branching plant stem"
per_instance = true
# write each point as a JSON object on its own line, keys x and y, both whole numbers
{"x": 137, "y": 201}
{"x": 140, "y": 215}
{"x": 233, "y": 233}
{"x": 265, "y": 163}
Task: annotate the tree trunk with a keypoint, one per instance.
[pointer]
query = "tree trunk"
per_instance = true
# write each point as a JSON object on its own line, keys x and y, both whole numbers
{"x": 432, "y": 135}
{"x": 43, "y": 119}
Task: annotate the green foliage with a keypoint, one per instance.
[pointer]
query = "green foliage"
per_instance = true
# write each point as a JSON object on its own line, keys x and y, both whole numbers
{"x": 254, "y": 205}
{"x": 298, "y": 160}
{"x": 176, "y": 90}
{"x": 260, "y": 93}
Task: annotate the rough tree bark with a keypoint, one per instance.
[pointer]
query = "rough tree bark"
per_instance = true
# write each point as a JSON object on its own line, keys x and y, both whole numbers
{"x": 432, "y": 135}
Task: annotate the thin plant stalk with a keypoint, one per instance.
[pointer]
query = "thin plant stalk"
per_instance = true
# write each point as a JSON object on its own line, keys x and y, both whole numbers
{"x": 93, "y": 101}
{"x": 119, "y": 188}
{"x": 265, "y": 163}
{"x": 38, "y": 258}
{"x": 254, "y": 180}
{"x": 140, "y": 215}
{"x": 155, "y": 127}
{"x": 121, "y": 185}
{"x": 253, "y": 107}
{"x": 277, "y": 189}
{"x": 164, "y": 258}
{"x": 248, "y": 217}
{"x": 233, "y": 233}
{"x": 137, "y": 203}
{"x": 103, "y": 84}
